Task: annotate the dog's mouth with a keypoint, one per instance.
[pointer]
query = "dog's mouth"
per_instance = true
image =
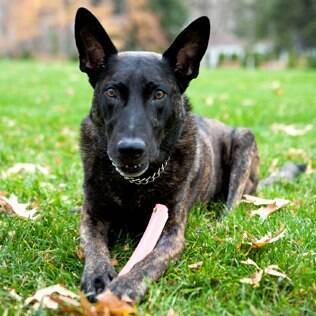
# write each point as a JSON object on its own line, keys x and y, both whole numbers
{"x": 130, "y": 170}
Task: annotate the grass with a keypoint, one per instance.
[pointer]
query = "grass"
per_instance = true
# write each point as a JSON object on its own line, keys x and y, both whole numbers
{"x": 41, "y": 106}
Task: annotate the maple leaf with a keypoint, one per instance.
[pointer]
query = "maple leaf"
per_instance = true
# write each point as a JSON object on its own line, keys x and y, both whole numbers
{"x": 268, "y": 239}
{"x": 269, "y": 206}
{"x": 11, "y": 204}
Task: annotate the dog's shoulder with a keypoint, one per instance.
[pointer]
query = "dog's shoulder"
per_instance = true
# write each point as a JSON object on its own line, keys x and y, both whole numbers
{"x": 213, "y": 129}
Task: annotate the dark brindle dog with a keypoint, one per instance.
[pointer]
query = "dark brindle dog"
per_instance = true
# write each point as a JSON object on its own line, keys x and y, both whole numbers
{"x": 141, "y": 145}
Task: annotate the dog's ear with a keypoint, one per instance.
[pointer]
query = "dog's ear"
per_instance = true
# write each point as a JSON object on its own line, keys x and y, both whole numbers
{"x": 93, "y": 43}
{"x": 185, "y": 53}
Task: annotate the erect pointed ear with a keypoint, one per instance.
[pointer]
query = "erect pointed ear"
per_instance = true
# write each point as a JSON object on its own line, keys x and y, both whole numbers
{"x": 185, "y": 53}
{"x": 93, "y": 43}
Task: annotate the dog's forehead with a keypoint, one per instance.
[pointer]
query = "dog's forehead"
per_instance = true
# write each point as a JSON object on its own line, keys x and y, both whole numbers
{"x": 127, "y": 66}
{"x": 140, "y": 55}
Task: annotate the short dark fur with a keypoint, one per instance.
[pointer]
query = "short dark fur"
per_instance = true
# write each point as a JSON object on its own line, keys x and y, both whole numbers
{"x": 140, "y": 117}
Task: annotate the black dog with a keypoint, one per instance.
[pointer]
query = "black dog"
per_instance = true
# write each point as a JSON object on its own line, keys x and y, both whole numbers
{"x": 141, "y": 145}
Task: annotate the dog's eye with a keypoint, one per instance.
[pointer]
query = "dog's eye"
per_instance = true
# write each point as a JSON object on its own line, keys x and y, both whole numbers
{"x": 159, "y": 94}
{"x": 111, "y": 93}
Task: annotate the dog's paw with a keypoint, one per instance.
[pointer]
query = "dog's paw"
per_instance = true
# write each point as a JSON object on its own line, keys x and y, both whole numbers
{"x": 124, "y": 286}
{"x": 95, "y": 282}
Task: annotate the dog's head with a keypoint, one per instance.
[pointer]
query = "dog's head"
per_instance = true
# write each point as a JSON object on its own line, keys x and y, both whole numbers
{"x": 138, "y": 99}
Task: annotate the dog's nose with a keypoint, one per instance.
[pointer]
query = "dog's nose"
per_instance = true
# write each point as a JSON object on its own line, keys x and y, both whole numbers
{"x": 131, "y": 147}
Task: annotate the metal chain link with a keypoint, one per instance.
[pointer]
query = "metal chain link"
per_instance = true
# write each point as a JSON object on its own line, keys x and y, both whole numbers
{"x": 156, "y": 175}
{"x": 144, "y": 181}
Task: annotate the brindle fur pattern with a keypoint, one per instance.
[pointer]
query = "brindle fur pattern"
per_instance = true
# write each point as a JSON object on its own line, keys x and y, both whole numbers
{"x": 208, "y": 161}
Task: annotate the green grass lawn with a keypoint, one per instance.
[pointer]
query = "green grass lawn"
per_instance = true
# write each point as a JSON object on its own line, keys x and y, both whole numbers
{"x": 41, "y": 106}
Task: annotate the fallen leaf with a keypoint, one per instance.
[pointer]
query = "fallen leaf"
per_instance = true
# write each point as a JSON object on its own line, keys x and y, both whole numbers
{"x": 209, "y": 100}
{"x": 15, "y": 295}
{"x": 268, "y": 239}
{"x": 270, "y": 206}
{"x": 250, "y": 262}
{"x": 248, "y": 102}
{"x": 273, "y": 165}
{"x": 24, "y": 167}
{"x": 253, "y": 280}
{"x": 291, "y": 130}
{"x": 110, "y": 304}
{"x": 12, "y": 205}
{"x": 171, "y": 312}
{"x": 42, "y": 297}
{"x": 256, "y": 200}
{"x": 114, "y": 262}
{"x": 275, "y": 271}
{"x": 80, "y": 253}
{"x": 277, "y": 88}
{"x": 264, "y": 212}
{"x": 195, "y": 265}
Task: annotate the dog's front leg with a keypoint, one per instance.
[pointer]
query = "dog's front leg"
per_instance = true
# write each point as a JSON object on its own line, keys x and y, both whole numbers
{"x": 169, "y": 247}
{"x": 244, "y": 166}
{"x": 98, "y": 270}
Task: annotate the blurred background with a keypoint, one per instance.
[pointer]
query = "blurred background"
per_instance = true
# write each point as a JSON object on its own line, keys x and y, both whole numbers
{"x": 245, "y": 33}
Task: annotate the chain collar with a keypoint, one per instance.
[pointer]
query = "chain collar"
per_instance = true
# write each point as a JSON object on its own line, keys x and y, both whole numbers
{"x": 144, "y": 181}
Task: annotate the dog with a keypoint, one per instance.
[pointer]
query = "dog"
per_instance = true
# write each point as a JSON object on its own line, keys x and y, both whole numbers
{"x": 142, "y": 145}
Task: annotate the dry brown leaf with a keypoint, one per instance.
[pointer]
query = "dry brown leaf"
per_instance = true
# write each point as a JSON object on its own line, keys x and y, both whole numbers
{"x": 268, "y": 239}
{"x": 270, "y": 206}
{"x": 108, "y": 305}
{"x": 291, "y": 130}
{"x": 15, "y": 295}
{"x": 24, "y": 167}
{"x": 273, "y": 165}
{"x": 250, "y": 262}
{"x": 195, "y": 265}
{"x": 114, "y": 262}
{"x": 11, "y": 204}
{"x": 256, "y": 200}
{"x": 80, "y": 253}
{"x": 171, "y": 312}
{"x": 253, "y": 280}
{"x": 209, "y": 100}
{"x": 264, "y": 212}
{"x": 43, "y": 297}
{"x": 111, "y": 304}
{"x": 277, "y": 88}
{"x": 275, "y": 271}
